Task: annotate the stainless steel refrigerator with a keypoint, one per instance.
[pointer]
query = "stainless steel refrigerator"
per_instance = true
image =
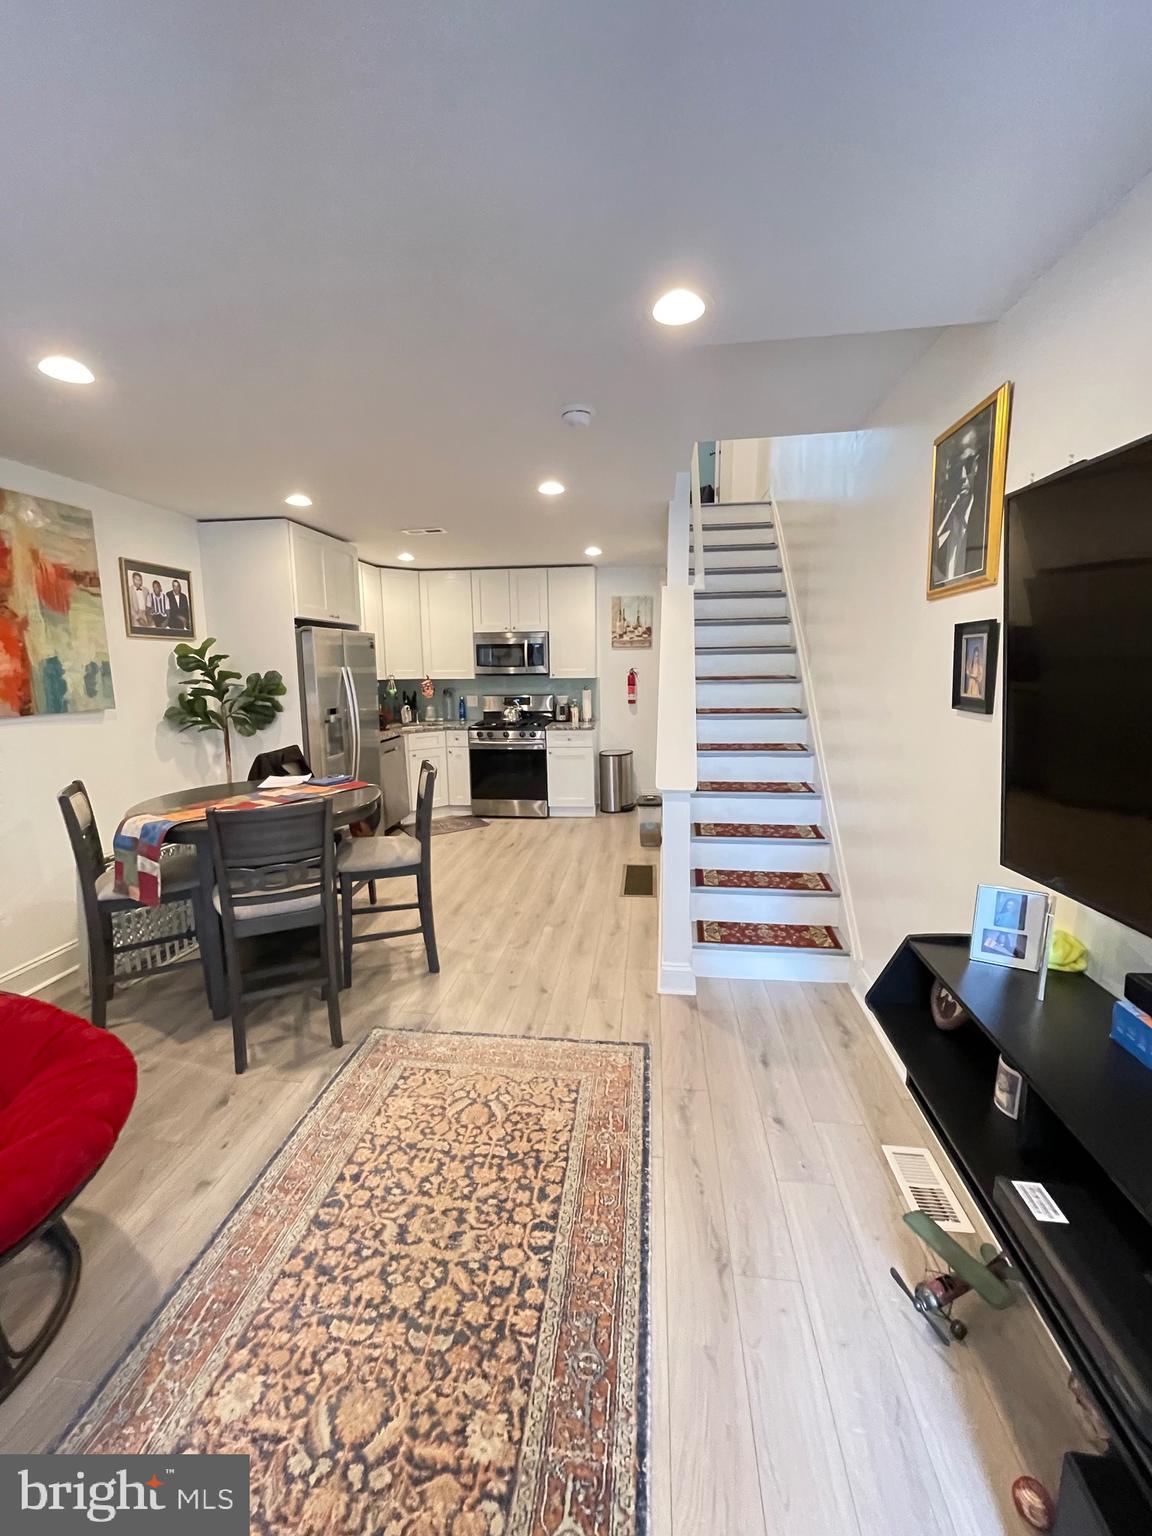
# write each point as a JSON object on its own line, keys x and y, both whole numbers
{"x": 339, "y": 701}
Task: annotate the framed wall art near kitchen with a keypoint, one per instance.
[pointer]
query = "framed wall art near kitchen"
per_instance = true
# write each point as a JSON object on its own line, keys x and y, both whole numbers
{"x": 157, "y": 600}
{"x": 632, "y": 623}
{"x": 968, "y": 466}
{"x": 974, "y": 651}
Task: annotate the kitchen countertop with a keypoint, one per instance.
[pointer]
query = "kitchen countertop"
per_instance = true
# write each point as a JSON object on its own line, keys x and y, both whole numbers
{"x": 562, "y": 725}
{"x": 389, "y": 732}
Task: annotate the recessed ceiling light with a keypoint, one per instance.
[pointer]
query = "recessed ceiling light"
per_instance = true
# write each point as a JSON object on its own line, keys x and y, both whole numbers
{"x": 679, "y": 307}
{"x": 297, "y": 499}
{"x": 550, "y": 488}
{"x": 593, "y": 550}
{"x": 405, "y": 556}
{"x": 66, "y": 369}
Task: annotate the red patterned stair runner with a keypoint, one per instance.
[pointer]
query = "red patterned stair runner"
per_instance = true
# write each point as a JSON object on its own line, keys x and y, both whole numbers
{"x": 770, "y": 935}
{"x": 751, "y": 746}
{"x": 755, "y": 787}
{"x": 761, "y": 880}
{"x": 784, "y": 831}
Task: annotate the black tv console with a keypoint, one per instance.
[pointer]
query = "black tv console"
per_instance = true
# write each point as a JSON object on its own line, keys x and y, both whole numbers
{"x": 1085, "y": 1133}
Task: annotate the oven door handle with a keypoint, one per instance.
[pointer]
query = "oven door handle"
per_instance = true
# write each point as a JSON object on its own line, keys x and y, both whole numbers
{"x": 507, "y": 746}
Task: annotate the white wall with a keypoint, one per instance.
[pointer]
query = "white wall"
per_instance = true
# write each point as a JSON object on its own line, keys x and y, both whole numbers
{"x": 916, "y": 786}
{"x": 121, "y": 754}
{"x": 623, "y": 724}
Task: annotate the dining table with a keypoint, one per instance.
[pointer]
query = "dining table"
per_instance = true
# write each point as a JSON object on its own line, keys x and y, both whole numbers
{"x": 354, "y": 804}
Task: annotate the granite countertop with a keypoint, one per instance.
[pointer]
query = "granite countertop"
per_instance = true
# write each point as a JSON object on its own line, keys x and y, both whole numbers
{"x": 561, "y": 725}
{"x": 388, "y": 731}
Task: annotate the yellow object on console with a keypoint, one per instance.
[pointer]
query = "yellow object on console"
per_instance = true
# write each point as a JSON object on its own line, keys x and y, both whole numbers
{"x": 1067, "y": 953}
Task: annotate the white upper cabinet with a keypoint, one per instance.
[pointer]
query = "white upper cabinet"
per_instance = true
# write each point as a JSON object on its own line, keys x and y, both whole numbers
{"x": 446, "y": 623}
{"x": 372, "y": 613}
{"x": 528, "y": 591}
{"x": 325, "y": 582}
{"x": 403, "y": 649}
{"x": 491, "y": 603}
{"x": 572, "y": 621}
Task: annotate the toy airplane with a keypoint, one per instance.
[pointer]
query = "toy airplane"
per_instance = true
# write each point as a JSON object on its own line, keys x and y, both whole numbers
{"x": 934, "y": 1298}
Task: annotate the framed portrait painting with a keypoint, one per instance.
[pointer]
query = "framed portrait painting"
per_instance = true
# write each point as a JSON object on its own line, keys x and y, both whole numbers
{"x": 968, "y": 466}
{"x": 157, "y": 601}
{"x": 974, "y": 652}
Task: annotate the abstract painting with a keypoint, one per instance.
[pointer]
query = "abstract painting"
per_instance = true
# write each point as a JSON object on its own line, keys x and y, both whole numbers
{"x": 631, "y": 623}
{"x": 53, "y": 644}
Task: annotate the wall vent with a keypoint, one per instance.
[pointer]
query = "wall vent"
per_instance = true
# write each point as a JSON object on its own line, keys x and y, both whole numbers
{"x": 421, "y": 533}
{"x": 925, "y": 1187}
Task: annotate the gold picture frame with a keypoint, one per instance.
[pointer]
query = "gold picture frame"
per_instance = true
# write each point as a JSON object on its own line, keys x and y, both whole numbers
{"x": 157, "y": 601}
{"x": 966, "y": 517}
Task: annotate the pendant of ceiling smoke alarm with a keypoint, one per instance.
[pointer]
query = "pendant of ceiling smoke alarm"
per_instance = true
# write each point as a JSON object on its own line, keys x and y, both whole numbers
{"x": 577, "y": 415}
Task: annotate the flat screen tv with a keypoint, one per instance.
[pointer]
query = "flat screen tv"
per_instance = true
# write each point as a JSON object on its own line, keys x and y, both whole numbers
{"x": 1077, "y": 793}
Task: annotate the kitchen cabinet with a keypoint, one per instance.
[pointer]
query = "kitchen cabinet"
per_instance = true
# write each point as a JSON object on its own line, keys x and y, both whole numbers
{"x": 572, "y": 773}
{"x": 572, "y": 621}
{"x": 403, "y": 649}
{"x": 512, "y": 599}
{"x": 325, "y": 580}
{"x": 372, "y": 613}
{"x": 446, "y": 623}
{"x": 421, "y": 745}
{"x": 459, "y": 777}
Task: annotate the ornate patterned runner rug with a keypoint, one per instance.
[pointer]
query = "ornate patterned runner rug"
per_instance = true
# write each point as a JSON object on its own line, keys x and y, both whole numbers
{"x": 428, "y": 1315}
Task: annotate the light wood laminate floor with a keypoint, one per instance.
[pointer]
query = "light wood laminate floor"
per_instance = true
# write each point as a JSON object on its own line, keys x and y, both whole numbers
{"x": 793, "y": 1390}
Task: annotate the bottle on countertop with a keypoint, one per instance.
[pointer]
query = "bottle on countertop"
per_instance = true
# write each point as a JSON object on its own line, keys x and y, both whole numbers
{"x": 462, "y": 710}
{"x": 574, "y": 714}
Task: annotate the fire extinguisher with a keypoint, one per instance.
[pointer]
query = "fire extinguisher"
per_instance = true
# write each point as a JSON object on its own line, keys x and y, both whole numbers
{"x": 631, "y": 685}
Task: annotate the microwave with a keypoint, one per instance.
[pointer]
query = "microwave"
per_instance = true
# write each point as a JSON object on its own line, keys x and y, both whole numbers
{"x": 509, "y": 652}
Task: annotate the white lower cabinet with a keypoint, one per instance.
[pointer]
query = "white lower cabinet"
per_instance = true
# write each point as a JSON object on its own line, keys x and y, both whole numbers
{"x": 571, "y": 773}
{"x": 430, "y": 745}
{"x": 459, "y": 777}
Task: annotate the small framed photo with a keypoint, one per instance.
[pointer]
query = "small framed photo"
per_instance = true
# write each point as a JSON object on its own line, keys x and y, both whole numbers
{"x": 975, "y": 647}
{"x": 157, "y": 601}
{"x": 1008, "y": 927}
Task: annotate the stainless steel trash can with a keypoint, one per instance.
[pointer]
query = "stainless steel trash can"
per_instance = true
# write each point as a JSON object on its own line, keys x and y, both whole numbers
{"x": 651, "y": 816}
{"x": 617, "y": 780}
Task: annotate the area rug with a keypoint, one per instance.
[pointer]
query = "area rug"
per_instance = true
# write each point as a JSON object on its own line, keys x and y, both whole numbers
{"x": 428, "y": 1314}
{"x": 770, "y": 935}
{"x": 456, "y": 824}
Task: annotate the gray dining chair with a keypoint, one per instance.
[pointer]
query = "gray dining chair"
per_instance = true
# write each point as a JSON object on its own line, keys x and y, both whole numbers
{"x": 275, "y": 873}
{"x": 362, "y": 861}
{"x": 100, "y": 902}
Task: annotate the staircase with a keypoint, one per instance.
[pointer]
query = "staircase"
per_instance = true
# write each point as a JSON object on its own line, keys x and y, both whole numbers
{"x": 764, "y": 897}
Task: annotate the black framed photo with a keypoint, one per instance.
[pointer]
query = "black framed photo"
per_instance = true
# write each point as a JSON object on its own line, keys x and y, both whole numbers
{"x": 974, "y": 650}
{"x": 157, "y": 601}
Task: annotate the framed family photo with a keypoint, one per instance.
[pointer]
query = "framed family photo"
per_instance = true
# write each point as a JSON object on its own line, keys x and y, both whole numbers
{"x": 969, "y": 461}
{"x": 1009, "y": 927}
{"x": 974, "y": 651}
{"x": 157, "y": 600}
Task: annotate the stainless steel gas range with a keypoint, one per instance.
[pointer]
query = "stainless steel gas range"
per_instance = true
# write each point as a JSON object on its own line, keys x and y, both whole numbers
{"x": 507, "y": 756}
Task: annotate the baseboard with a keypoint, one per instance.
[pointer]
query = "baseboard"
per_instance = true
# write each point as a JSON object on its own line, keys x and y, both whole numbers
{"x": 41, "y": 972}
{"x": 859, "y": 987}
{"x": 677, "y": 978}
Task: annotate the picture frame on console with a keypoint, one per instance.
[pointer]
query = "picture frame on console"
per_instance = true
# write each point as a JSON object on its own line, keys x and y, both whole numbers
{"x": 969, "y": 463}
{"x": 1009, "y": 927}
{"x": 975, "y": 650}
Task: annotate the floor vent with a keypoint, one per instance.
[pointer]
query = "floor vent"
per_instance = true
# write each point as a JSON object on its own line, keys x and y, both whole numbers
{"x": 925, "y": 1187}
{"x": 639, "y": 880}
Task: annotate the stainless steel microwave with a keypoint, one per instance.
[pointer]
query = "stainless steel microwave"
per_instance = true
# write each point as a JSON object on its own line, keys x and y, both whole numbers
{"x": 509, "y": 652}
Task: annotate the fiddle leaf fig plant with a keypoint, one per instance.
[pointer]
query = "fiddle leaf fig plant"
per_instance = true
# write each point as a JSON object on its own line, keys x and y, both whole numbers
{"x": 221, "y": 699}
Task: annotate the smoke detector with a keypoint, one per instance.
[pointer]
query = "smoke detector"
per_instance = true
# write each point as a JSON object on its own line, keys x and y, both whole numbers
{"x": 420, "y": 533}
{"x": 577, "y": 415}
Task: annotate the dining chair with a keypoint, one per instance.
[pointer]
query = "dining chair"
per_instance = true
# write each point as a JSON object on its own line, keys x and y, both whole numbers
{"x": 283, "y": 761}
{"x": 361, "y": 861}
{"x": 275, "y": 872}
{"x": 100, "y": 902}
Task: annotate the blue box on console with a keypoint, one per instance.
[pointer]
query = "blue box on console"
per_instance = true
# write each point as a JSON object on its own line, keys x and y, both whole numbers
{"x": 1133, "y": 1030}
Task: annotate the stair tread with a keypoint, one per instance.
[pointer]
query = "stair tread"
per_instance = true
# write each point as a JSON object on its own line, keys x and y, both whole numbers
{"x": 760, "y": 831}
{"x": 731, "y": 549}
{"x": 817, "y": 936}
{"x": 756, "y": 787}
{"x": 756, "y": 709}
{"x": 735, "y": 527}
{"x": 754, "y": 746}
{"x": 796, "y": 881}
{"x": 745, "y": 650}
{"x": 747, "y": 592}
{"x": 747, "y": 677}
{"x": 737, "y": 570}
{"x": 743, "y": 618}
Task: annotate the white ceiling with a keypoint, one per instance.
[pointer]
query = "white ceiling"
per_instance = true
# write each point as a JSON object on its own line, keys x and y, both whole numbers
{"x": 371, "y": 250}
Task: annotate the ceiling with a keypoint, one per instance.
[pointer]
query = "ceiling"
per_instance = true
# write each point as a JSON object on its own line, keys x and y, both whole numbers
{"x": 372, "y": 250}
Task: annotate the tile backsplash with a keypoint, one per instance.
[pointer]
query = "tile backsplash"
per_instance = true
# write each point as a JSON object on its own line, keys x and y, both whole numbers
{"x": 477, "y": 687}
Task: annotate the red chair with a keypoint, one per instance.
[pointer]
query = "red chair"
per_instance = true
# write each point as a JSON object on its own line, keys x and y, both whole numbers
{"x": 65, "y": 1091}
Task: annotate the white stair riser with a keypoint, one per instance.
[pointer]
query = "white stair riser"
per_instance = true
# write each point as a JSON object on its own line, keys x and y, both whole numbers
{"x": 744, "y": 695}
{"x": 743, "y": 634}
{"x": 750, "y": 512}
{"x": 765, "y": 907}
{"x": 762, "y": 664}
{"x": 726, "y": 560}
{"x": 773, "y": 606}
{"x": 779, "y": 808}
{"x": 752, "y": 728}
{"x": 743, "y": 853}
{"x": 735, "y": 580}
{"x": 771, "y": 965}
{"x": 755, "y": 765}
